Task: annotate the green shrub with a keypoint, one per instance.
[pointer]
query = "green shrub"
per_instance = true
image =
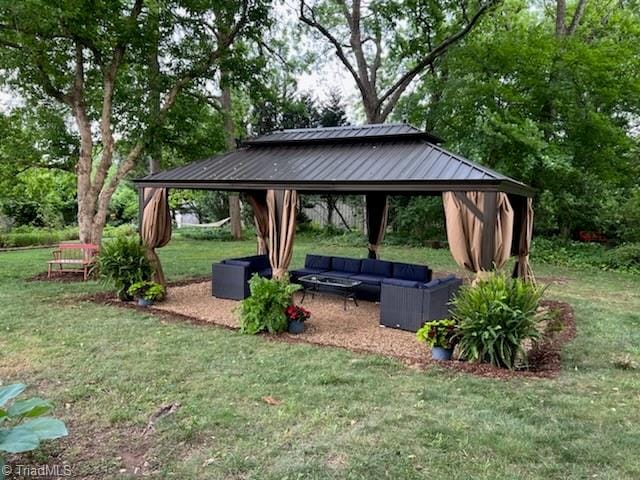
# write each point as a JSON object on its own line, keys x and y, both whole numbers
{"x": 264, "y": 309}
{"x": 26, "y": 236}
{"x": 124, "y": 230}
{"x": 624, "y": 257}
{"x": 122, "y": 262}
{"x": 204, "y": 233}
{"x": 24, "y": 424}
{"x": 495, "y": 317}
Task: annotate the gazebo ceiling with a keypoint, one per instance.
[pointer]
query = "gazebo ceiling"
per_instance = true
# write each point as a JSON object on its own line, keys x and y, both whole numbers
{"x": 390, "y": 158}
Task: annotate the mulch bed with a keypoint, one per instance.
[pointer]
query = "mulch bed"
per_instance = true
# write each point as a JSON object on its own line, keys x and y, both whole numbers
{"x": 544, "y": 361}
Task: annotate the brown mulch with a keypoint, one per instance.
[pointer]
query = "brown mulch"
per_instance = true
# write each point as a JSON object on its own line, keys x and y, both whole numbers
{"x": 357, "y": 329}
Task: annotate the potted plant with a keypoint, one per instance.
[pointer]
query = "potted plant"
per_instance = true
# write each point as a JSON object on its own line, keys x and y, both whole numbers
{"x": 296, "y": 316}
{"x": 146, "y": 292}
{"x": 440, "y": 336}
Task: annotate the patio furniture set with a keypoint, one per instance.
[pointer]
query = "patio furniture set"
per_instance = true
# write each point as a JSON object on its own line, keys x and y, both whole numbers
{"x": 407, "y": 293}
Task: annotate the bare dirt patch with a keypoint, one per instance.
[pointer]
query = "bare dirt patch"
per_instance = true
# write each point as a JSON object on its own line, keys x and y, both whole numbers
{"x": 356, "y": 329}
{"x": 59, "y": 276}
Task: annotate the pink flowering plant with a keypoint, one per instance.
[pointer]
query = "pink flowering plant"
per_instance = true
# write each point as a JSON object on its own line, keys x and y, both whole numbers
{"x": 439, "y": 333}
{"x": 297, "y": 313}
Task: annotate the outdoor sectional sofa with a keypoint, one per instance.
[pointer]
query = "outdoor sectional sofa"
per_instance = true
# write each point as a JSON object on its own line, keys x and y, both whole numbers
{"x": 230, "y": 278}
{"x": 370, "y": 272}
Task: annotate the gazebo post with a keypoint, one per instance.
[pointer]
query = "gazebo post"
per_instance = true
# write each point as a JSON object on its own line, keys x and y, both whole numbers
{"x": 489, "y": 219}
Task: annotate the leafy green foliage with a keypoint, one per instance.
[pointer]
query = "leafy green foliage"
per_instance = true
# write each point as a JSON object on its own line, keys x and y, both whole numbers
{"x": 624, "y": 257}
{"x": 23, "y": 424}
{"x": 264, "y": 309}
{"x": 122, "y": 262}
{"x": 151, "y": 291}
{"x": 439, "y": 333}
{"x": 561, "y": 252}
{"x": 495, "y": 317}
{"x": 558, "y": 113}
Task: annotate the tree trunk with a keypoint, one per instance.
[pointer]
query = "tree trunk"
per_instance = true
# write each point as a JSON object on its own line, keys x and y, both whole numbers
{"x": 155, "y": 145}
{"x": 230, "y": 141}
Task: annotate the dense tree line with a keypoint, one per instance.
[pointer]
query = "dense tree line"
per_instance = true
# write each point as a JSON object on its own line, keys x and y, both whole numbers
{"x": 548, "y": 93}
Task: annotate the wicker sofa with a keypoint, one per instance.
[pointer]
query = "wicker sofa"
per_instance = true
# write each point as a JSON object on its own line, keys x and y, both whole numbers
{"x": 370, "y": 272}
{"x": 407, "y": 305}
{"x": 230, "y": 278}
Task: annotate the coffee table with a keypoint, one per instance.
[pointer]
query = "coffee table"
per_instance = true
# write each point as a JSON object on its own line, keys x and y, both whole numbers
{"x": 343, "y": 287}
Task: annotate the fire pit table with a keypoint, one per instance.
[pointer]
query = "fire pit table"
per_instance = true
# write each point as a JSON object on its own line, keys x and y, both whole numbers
{"x": 342, "y": 287}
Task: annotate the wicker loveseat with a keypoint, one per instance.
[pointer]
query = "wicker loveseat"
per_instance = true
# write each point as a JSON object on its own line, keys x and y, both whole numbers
{"x": 407, "y": 305}
{"x": 230, "y": 278}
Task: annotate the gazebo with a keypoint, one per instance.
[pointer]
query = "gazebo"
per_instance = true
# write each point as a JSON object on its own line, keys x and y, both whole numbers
{"x": 489, "y": 216}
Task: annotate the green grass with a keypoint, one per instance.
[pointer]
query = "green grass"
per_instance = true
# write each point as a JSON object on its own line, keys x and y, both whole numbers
{"x": 343, "y": 415}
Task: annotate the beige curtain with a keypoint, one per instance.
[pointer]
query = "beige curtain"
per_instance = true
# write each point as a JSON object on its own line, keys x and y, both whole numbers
{"x": 258, "y": 201}
{"x": 524, "y": 245}
{"x": 377, "y": 209}
{"x": 464, "y": 212}
{"x": 282, "y": 206}
{"x": 155, "y": 230}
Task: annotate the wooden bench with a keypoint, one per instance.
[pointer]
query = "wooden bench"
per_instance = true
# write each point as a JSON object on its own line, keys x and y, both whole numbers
{"x": 74, "y": 257}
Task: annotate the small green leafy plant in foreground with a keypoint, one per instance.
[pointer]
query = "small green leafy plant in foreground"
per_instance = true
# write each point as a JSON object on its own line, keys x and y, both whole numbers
{"x": 24, "y": 424}
{"x": 439, "y": 333}
{"x": 264, "y": 310}
{"x": 495, "y": 317}
{"x": 150, "y": 291}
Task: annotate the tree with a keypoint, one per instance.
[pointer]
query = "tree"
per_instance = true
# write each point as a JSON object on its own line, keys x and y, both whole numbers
{"x": 332, "y": 113}
{"x": 554, "y": 111}
{"x": 95, "y": 66}
{"x": 375, "y": 40}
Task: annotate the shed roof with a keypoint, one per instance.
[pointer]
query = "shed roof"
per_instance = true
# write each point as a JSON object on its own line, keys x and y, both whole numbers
{"x": 393, "y": 158}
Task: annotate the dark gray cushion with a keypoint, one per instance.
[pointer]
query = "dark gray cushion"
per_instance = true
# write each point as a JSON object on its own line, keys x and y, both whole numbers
{"x": 239, "y": 263}
{"x": 448, "y": 278}
{"x": 368, "y": 279}
{"x": 318, "y": 262}
{"x": 376, "y": 267}
{"x": 301, "y": 272}
{"x": 342, "y": 264}
{"x": 407, "y": 271}
{"x": 431, "y": 284}
{"x": 397, "y": 282}
{"x": 336, "y": 273}
{"x": 266, "y": 273}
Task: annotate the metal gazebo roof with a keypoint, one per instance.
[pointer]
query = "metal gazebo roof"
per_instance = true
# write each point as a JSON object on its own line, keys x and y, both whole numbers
{"x": 390, "y": 158}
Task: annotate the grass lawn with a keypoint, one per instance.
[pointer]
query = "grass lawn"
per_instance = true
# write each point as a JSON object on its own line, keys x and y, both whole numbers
{"x": 343, "y": 415}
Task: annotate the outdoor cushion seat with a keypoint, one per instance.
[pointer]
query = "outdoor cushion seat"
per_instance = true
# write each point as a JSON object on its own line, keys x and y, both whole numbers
{"x": 342, "y": 264}
{"x": 368, "y": 279}
{"x": 433, "y": 283}
{"x": 375, "y": 267}
{"x": 398, "y": 282}
{"x": 266, "y": 273}
{"x": 301, "y": 272}
{"x": 318, "y": 262}
{"x": 407, "y": 271}
{"x": 336, "y": 273}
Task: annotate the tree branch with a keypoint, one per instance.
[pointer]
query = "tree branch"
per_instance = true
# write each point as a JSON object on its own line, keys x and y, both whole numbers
{"x": 311, "y": 21}
{"x": 577, "y": 17}
{"x": 403, "y": 82}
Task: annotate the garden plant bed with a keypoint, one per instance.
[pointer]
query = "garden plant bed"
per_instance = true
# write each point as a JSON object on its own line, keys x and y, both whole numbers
{"x": 357, "y": 329}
